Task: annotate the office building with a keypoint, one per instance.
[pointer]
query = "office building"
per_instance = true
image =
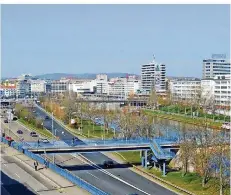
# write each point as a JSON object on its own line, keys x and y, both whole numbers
{"x": 153, "y": 74}
{"x": 186, "y": 89}
{"x": 101, "y": 77}
{"x": 23, "y": 88}
{"x": 59, "y": 86}
{"x": 8, "y": 91}
{"x": 222, "y": 93}
{"x": 83, "y": 86}
{"x": 217, "y": 65}
{"x": 124, "y": 87}
{"x": 38, "y": 86}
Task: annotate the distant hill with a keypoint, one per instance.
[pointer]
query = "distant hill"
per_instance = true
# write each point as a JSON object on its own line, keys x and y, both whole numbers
{"x": 57, "y": 76}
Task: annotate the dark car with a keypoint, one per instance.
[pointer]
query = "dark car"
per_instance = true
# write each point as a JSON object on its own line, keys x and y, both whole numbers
{"x": 5, "y": 121}
{"x": 108, "y": 163}
{"x": 19, "y": 132}
{"x": 46, "y": 117}
{"x": 33, "y": 134}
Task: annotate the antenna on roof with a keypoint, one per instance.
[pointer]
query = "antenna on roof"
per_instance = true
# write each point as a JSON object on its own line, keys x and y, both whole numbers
{"x": 153, "y": 57}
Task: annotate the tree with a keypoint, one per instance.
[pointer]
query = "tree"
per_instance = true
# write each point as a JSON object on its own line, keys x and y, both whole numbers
{"x": 69, "y": 108}
{"x": 204, "y": 139}
{"x": 221, "y": 159}
{"x": 153, "y": 100}
{"x": 18, "y": 110}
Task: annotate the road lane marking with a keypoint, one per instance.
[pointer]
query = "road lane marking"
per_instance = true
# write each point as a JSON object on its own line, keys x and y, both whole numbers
{"x": 110, "y": 174}
{"x": 17, "y": 175}
{"x": 93, "y": 175}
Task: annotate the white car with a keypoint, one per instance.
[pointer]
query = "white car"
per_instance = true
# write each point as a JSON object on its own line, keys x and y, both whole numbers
{"x": 45, "y": 141}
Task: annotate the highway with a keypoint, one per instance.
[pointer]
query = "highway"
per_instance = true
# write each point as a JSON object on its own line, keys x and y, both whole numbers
{"x": 119, "y": 180}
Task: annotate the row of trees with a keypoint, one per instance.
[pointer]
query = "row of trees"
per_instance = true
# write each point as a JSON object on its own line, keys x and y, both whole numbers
{"x": 200, "y": 103}
{"x": 208, "y": 152}
{"x": 25, "y": 113}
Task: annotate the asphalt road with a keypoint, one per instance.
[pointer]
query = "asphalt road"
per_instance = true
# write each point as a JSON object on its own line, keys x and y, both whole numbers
{"x": 119, "y": 180}
{"x": 17, "y": 178}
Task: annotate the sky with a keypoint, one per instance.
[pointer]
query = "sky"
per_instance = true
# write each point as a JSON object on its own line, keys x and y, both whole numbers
{"x": 39, "y": 39}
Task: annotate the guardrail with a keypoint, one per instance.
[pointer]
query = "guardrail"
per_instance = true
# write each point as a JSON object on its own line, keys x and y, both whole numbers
{"x": 63, "y": 172}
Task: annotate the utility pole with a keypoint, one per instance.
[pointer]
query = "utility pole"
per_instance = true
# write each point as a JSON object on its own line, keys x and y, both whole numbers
{"x": 52, "y": 127}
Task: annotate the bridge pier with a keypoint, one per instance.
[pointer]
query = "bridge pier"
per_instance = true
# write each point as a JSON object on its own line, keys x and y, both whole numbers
{"x": 145, "y": 159}
{"x": 164, "y": 169}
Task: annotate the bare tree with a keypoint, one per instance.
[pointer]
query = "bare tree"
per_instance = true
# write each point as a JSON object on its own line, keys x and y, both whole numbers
{"x": 221, "y": 159}
{"x": 204, "y": 139}
{"x": 153, "y": 99}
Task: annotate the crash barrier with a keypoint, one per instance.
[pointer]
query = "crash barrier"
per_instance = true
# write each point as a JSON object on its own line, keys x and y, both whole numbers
{"x": 63, "y": 172}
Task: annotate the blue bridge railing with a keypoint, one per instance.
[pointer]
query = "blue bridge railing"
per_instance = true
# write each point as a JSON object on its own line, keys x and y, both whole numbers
{"x": 63, "y": 172}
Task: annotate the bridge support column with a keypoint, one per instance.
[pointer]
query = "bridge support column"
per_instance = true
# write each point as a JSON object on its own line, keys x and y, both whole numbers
{"x": 145, "y": 159}
{"x": 53, "y": 158}
{"x": 164, "y": 169}
{"x": 142, "y": 161}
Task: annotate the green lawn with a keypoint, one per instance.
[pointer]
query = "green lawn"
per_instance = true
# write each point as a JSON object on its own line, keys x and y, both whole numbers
{"x": 180, "y": 118}
{"x": 191, "y": 182}
{"x": 42, "y": 132}
{"x": 132, "y": 157}
{"x": 97, "y": 132}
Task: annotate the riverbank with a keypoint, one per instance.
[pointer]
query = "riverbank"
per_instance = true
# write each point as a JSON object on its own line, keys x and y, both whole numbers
{"x": 183, "y": 119}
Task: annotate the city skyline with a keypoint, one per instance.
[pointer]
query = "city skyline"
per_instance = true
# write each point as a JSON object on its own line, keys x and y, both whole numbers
{"x": 111, "y": 38}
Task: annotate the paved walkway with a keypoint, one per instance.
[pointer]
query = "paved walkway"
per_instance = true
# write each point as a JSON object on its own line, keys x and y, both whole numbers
{"x": 43, "y": 182}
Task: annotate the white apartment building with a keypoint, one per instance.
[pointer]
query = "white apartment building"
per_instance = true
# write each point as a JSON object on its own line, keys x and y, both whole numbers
{"x": 101, "y": 77}
{"x": 217, "y": 65}
{"x": 8, "y": 91}
{"x": 38, "y": 86}
{"x": 153, "y": 74}
{"x": 83, "y": 86}
{"x": 23, "y": 88}
{"x": 222, "y": 93}
{"x": 124, "y": 86}
{"x": 60, "y": 86}
{"x": 185, "y": 89}
{"x": 102, "y": 87}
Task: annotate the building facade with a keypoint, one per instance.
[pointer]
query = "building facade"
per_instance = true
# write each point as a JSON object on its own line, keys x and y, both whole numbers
{"x": 83, "y": 86}
{"x": 217, "y": 65}
{"x": 222, "y": 93}
{"x": 153, "y": 75}
{"x": 124, "y": 87}
{"x": 60, "y": 86}
{"x": 23, "y": 89}
{"x": 185, "y": 89}
{"x": 38, "y": 86}
{"x": 8, "y": 91}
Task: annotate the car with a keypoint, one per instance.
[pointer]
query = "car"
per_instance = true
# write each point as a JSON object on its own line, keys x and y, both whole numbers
{"x": 45, "y": 141}
{"x": 5, "y": 120}
{"x": 46, "y": 117}
{"x": 108, "y": 163}
{"x": 34, "y": 111}
{"x": 33, "y": 134}
{"x": 19, "y": 132}
{"x": 8, "y": 138}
